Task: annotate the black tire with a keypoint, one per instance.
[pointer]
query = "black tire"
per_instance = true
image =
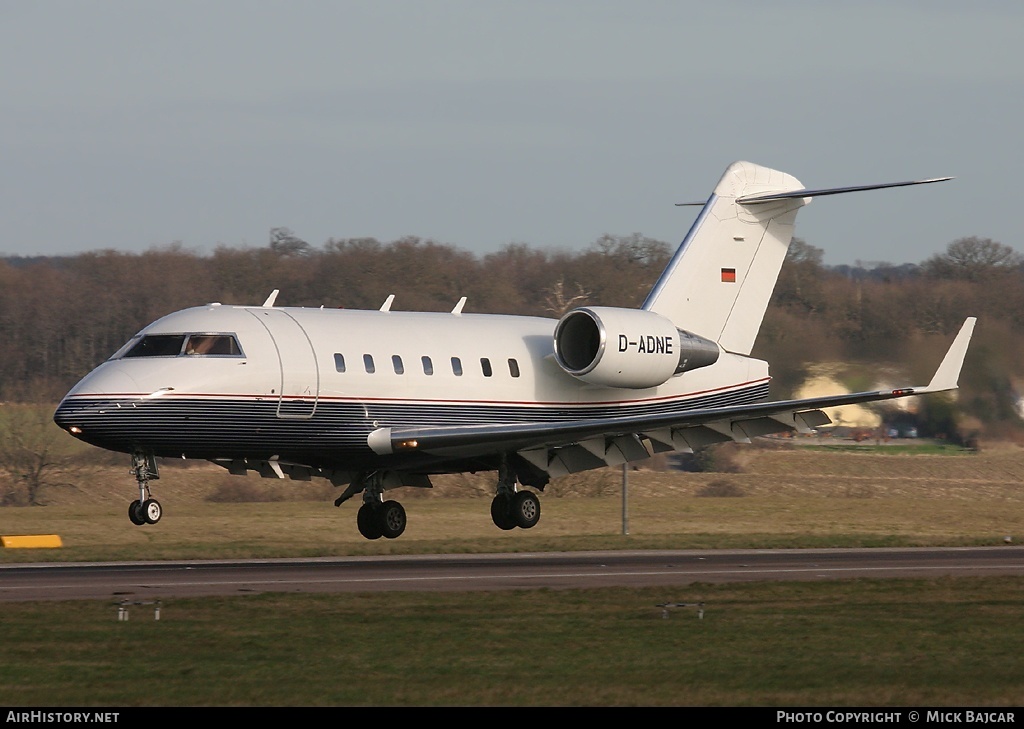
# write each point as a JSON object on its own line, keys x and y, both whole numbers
{"x": 369, "y": 522}
{"x": 501, "y": 512}
{"x": 151, "y": 511}
{"x": 525, "y": 509}
{"x": 392, "y": 519}
{"x": 136, "y": 514}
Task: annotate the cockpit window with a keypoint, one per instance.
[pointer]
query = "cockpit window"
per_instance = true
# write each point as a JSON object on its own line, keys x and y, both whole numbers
{"x": 157, "y": 345}
{"x": 223, "y": 344}
{"x": 172, "y": 345}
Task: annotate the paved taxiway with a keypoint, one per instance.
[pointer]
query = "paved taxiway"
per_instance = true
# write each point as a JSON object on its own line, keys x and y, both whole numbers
{"x": 160, "y": 580}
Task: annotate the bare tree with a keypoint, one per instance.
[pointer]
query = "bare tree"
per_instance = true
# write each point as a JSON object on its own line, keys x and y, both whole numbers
{"x": 800, "y": 281}
{"x": 34, "y": 454}
{"x": 973, "y": 259}
{"x": 285, "y": 243}
{"x": 558, "y": 302}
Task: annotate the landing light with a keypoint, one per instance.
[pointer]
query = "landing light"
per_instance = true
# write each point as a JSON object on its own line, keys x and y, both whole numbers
{"x": 408, "y": 444}
{"x": 75, "y": 430}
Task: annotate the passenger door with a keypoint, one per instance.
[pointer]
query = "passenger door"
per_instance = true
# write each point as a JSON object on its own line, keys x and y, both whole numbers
{"x": 300, "y": 374}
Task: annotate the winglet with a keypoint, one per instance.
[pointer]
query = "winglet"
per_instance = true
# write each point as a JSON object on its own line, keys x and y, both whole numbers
{"x": 271, "y": 299}
{"x": 386, "y": 306}
{"x": 946, "y": 376}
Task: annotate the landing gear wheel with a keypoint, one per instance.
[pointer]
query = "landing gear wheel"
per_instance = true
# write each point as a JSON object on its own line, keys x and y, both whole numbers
{"x": 525, "y": 509}
{"x": 135, "y": 513}
{"x": 369, "y": 522}
{"x": 151, "y": 511}
{"x": 501, "y": 512}
{"x": 392, "y": 519}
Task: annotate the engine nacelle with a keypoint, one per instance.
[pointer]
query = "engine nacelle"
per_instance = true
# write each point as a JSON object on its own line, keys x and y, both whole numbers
{"x": 630, "y": 348}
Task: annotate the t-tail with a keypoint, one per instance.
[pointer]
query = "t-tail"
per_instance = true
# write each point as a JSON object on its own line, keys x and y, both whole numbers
{"x": 720, "y": 280}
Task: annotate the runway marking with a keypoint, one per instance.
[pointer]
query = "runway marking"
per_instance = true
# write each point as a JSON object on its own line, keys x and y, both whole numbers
{"x": 535, "y": 576}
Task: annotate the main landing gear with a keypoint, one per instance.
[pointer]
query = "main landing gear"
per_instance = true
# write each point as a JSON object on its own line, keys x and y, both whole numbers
{"x": 145, "y": 509}
{"x": 511, "y": 508}
{"x": 376, "y": 518}
{"x": 520, "y": 509}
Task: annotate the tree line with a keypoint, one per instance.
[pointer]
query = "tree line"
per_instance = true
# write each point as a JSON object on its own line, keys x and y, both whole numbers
{"x": 60, "y": 316}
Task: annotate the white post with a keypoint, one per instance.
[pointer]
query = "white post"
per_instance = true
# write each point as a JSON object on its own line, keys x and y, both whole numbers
{"x": 625, "y": 498}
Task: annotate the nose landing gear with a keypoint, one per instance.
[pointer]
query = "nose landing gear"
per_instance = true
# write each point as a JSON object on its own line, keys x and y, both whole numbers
{"x": 145, "y": 509}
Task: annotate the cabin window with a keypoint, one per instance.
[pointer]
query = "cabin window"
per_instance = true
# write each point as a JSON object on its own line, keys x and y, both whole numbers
{"x": 396, "y": 362}
{"x": 513, "y": 368}
{"x": 368, "y": 363}
{"x": 212, "y": 344}
{"x": 428, "y": 366}
{"x": 339, "y": 362}
{"x": 457, "y": 366}
{"x": 485, "y": 365}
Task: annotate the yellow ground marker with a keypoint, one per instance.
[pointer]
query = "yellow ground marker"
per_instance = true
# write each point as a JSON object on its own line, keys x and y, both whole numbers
{"x": 32, "y": 541}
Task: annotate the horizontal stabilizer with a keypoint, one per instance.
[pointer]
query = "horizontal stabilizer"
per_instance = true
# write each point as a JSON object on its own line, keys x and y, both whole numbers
{"x": 822, "y": 192}
{"x": 756, "y": 199}
{"x": 721, "y": 278}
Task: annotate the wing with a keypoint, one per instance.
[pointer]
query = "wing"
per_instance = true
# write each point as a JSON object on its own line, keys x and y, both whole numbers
{"x": 576, "y": 445}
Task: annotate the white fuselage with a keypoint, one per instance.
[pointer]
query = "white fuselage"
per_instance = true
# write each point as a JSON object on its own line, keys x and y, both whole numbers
{"x": 309, "y": 385}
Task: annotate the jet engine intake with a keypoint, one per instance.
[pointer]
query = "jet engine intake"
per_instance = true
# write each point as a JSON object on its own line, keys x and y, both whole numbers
{"x": 630, "y": 348}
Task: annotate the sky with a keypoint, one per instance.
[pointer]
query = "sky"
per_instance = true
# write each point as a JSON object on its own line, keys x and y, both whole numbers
{"x": 479, "y": 123}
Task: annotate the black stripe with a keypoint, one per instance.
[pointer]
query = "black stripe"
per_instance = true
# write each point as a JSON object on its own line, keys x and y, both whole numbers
{"x": 334, "y": 437}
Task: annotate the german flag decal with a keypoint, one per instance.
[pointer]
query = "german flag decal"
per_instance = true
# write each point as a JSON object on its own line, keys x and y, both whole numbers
{"x": 728, "y": 275}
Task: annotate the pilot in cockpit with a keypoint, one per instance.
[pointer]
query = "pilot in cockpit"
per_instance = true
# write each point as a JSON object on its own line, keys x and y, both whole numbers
{"x": 222, "y": 344}
{"x": 199, "y": 344}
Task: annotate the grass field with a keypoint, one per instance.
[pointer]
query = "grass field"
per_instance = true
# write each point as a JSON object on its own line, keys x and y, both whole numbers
{"x": 944, "y": 642}
{"x": 948, "y": 642}
{"x": 784, "y": 497}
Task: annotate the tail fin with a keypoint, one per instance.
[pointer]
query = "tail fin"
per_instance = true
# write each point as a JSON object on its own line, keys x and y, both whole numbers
{"x": 721, "y": 278}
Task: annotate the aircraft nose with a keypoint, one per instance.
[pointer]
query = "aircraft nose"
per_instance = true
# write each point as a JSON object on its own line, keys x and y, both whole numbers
{"x": 109, "y": 379}
{"x": 87, "y": 398}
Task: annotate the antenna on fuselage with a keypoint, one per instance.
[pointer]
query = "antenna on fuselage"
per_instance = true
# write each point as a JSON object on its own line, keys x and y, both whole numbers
{"x": 271, "y": 299}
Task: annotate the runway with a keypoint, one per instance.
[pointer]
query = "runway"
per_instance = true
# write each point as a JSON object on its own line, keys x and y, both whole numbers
{"x": 144, "y": 581}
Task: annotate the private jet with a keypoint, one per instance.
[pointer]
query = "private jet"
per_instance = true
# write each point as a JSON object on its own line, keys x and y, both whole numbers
{"x": 381, "y": 399}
